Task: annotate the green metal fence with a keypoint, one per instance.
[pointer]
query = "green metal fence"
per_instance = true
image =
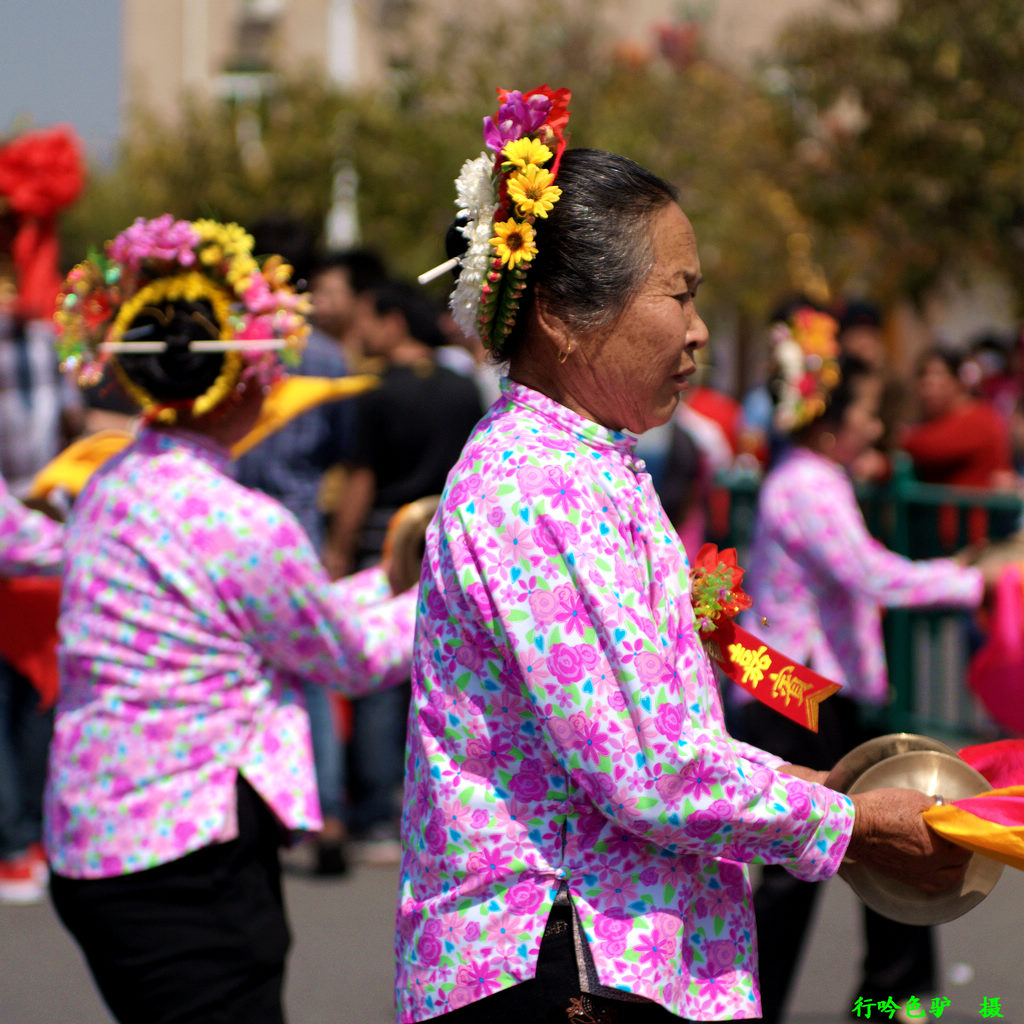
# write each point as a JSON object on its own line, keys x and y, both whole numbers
{"x": 927, "y": 650}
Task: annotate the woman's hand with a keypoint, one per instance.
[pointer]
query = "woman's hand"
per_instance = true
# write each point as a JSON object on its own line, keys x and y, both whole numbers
{"x": 890, "y": 836}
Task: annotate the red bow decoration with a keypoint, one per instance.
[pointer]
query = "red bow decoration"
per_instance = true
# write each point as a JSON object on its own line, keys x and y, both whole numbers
{"x": 793, "y": 690}
{"x": 41, "y": 172}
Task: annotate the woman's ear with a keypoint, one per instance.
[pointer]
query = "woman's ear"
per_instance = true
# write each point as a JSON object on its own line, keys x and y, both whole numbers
{"x": 552, "y": 326}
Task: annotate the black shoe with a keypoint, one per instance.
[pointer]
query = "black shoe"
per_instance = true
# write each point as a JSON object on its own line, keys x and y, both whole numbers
{"x": 331, "y": 858}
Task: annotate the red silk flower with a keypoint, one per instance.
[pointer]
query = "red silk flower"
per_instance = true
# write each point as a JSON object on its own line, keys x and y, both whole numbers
{"x": 41, "y": 172}
{"x": 715, "y": 586}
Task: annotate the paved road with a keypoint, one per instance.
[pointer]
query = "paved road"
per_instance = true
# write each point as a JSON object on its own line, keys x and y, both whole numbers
{"x": 341, "y": 966}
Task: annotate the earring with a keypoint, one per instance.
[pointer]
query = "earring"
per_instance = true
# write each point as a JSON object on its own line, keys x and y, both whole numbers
{"x": 566, "y": 352}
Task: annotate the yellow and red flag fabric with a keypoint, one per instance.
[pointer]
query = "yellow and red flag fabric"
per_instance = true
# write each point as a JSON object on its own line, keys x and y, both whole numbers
{"x": 992, "y": 822}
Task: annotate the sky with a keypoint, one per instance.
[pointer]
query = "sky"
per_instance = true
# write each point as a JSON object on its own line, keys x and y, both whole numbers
{"x": 60, "y": 63}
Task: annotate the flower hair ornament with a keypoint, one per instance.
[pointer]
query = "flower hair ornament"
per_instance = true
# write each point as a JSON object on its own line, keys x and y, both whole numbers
{"x": 806, "y": 353}
{"x": 256, "y": 314}
{"x": 499, "y": 196}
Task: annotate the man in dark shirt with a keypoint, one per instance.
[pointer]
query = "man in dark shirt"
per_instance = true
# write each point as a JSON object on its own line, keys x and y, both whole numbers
{"x": 407, "y": 434}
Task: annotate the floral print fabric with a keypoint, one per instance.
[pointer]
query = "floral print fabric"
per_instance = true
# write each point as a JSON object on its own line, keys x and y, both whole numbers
{"x": 818, "y": 577}
{"x": 29, "y": 541}
{"x": 566, "y": 727}
{"x": 191, "y": 608}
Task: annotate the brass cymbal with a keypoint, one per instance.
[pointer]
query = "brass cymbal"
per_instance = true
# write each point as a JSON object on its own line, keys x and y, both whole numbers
{"x": 853, "y": 764}
{"x": 936, "y": 773}
{"x": 405, "y": 541}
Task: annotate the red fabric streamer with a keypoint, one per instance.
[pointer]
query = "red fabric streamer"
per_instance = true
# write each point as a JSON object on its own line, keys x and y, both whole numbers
{"x": 32, "y": 602}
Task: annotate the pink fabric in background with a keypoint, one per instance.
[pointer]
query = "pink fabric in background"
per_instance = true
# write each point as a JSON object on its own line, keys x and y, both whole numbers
{"x": 996, "y": 672}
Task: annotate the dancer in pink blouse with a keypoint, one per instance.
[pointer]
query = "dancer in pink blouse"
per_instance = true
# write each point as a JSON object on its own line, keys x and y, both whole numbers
{"x": 192, "y": 608}
{"x": 577, "y": 818}
{"x": 818, "y": 581}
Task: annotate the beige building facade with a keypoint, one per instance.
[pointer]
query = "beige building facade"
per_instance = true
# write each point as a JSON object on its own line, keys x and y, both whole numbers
{"x": 223, "y": 48}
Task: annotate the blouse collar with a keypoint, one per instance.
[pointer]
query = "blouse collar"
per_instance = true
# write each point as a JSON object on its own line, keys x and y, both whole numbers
{"x": 586, "y": 431}
{"x": 198, "y": 445}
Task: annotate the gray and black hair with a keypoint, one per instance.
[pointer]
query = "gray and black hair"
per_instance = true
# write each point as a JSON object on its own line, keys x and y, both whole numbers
{"x": 595, "y": 247}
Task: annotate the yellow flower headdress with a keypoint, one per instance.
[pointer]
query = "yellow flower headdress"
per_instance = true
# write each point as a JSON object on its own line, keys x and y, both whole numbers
{"x": 500, "y": 195}
{"x": 257, "y": 312}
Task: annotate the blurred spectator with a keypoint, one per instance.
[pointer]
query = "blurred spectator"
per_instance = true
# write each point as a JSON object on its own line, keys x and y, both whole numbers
{"x": 40, "y": 411}
{"x": 340, "y": 284}
{"x": 711, "y": 420}
{"x": 289, "y": 466}
{"x": 408, "y": 434}
{"x": 861, "y": 337}
{"x": 960, "y": 440}
{"x": 30, "y": 543}
{"x": 468, "y": 357}
{"x": 998, "y": 379}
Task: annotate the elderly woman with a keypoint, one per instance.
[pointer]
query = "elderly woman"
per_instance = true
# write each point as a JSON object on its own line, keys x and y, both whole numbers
{"x": 192, "y": 611}
{"x": 576, "y": 815}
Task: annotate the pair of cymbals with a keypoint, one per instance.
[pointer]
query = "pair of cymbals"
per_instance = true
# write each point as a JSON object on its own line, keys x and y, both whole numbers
{"x": 909, "y": 761}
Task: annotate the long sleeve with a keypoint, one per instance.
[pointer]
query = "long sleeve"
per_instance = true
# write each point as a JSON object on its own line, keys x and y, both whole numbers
{"x": 815, "y": 514}
{"x": 30, "y": 543}
{"x": 342, "y": 634}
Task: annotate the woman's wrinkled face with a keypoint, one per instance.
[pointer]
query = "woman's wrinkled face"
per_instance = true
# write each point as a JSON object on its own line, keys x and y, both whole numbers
{"x": 628, "y": 375}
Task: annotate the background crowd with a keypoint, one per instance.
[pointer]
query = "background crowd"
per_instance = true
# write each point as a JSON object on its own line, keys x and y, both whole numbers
{"x": 955, "y": 417}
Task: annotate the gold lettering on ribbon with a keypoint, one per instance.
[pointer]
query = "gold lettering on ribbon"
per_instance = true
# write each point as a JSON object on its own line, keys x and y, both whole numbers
{"x": 787, "y": 686}
{"x": 754, "y": 663}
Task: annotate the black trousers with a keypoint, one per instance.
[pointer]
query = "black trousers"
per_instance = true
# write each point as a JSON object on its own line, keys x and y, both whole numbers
{"x": 201, "y": 940}
{"x": 554, "y": 996}
{"x": 899, "y": 959}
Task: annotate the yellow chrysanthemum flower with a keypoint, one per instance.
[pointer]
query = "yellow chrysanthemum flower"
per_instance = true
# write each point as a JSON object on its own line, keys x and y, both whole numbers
{"x": 514, "y": 242}
{"x": 211, "y": 255}
{"x": 533, "y": 190}
{"x": 526, "y": 151}
{"x": 240, "y": 272}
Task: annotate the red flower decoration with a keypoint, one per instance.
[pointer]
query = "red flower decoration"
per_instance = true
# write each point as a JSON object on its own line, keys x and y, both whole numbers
{"x": 715, "y": 590}
{"x": 41, "y": 172}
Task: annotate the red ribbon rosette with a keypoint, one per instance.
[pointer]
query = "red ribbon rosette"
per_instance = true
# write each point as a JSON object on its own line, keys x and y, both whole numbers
{"x": 41, "y": 172}
{"x": 717, "y": 597}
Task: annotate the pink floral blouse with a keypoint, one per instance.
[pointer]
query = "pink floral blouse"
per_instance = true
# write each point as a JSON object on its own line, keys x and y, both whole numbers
{"x": 566, "y": 728}
{"x": 30, "y": 543}
{"x": 191, "y": 608}
{"x": 818, "y": 577}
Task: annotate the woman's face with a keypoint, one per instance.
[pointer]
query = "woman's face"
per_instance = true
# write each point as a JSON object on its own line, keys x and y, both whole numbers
{"x": 628, "y": 375}
{"x": 861, "y": 426}
{"x": 938, "y": 389}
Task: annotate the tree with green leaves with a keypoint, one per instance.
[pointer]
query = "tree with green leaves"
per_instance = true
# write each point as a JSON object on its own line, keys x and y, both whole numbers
{"x": 908, "y": 139}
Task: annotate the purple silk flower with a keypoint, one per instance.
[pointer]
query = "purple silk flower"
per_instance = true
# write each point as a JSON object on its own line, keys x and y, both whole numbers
{"x": 517, "y": 116}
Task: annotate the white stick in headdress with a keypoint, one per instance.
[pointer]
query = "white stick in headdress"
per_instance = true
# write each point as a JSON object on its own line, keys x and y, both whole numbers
{"x": 442, "y": 268}
{"x": 212, "y": 345}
